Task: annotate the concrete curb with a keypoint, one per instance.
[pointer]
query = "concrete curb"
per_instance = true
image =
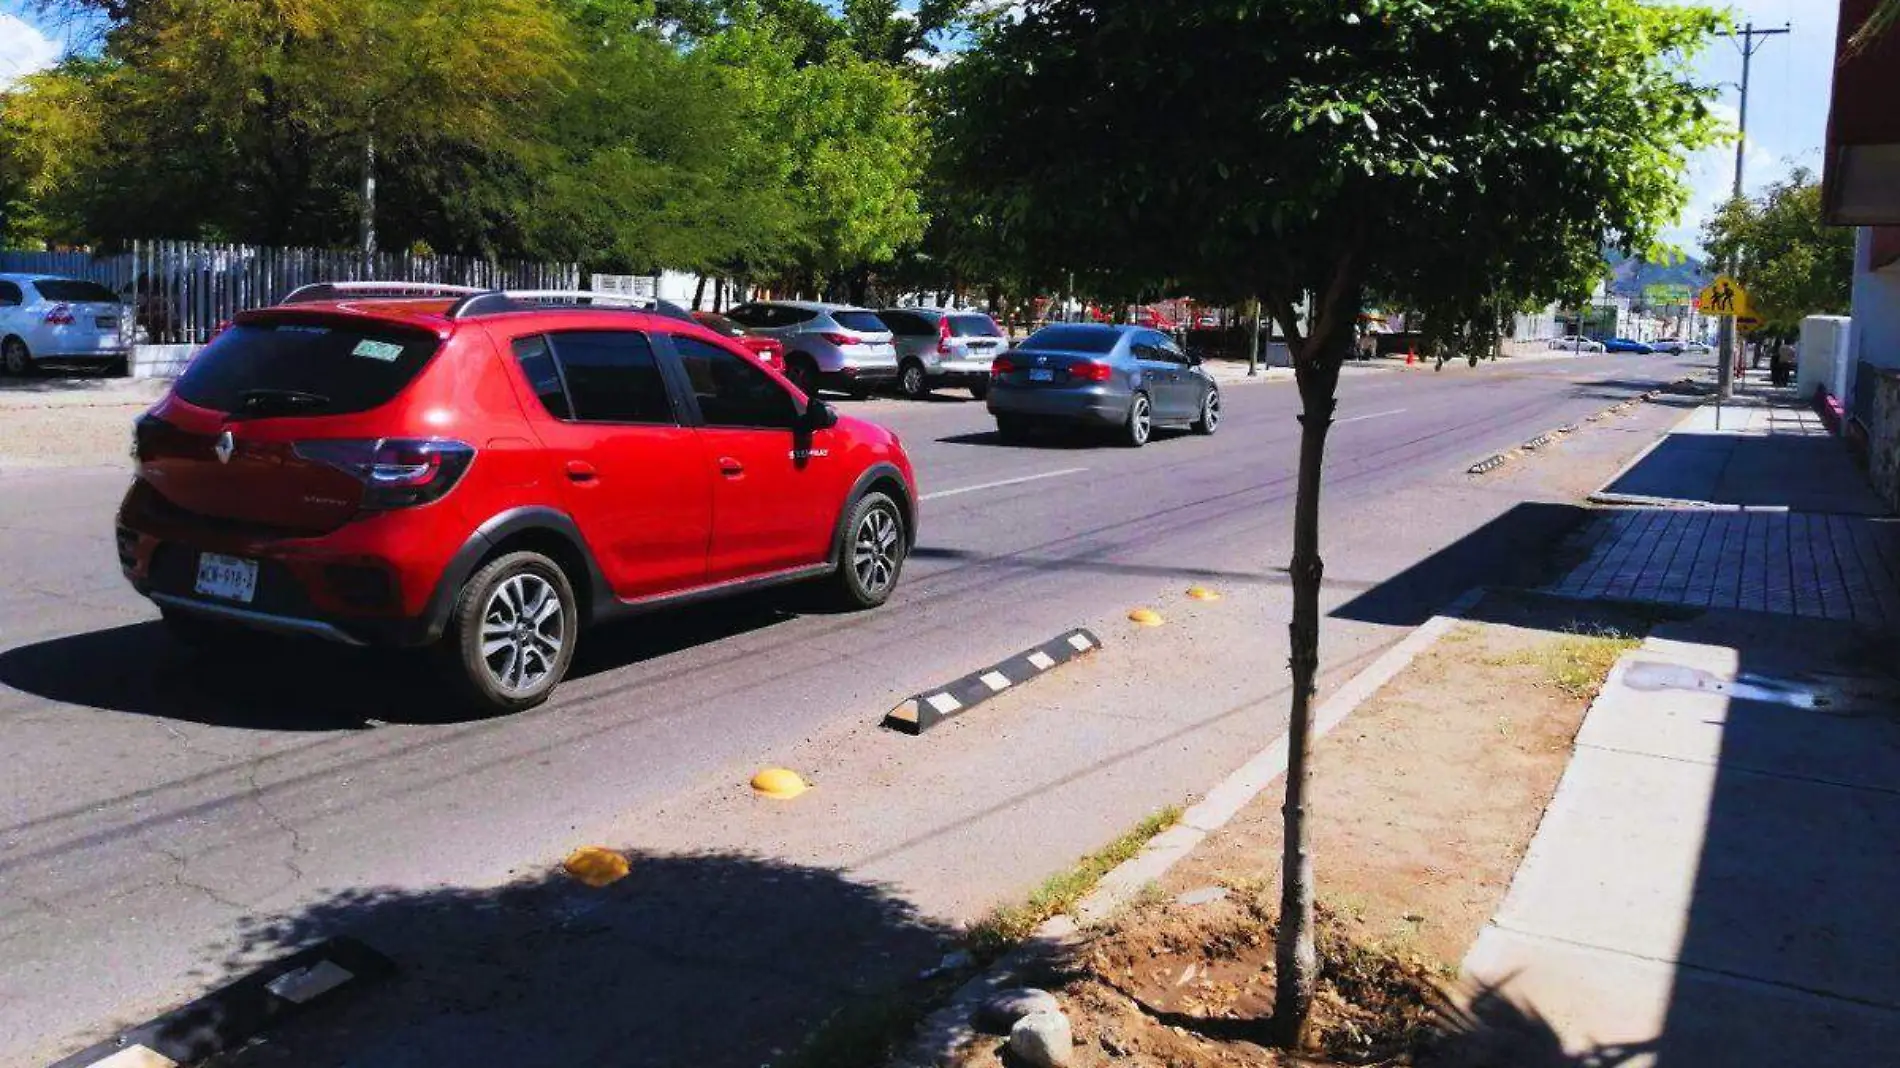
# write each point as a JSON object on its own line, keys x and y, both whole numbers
{"x": 233, "y": 1014}
{"x": 919, "y": 713}
{"x": 948, "y": 1029}
{"x": 1499, "y": 459}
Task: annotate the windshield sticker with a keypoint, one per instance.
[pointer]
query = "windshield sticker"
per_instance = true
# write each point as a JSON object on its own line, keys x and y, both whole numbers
{"x": 377, "y": 350}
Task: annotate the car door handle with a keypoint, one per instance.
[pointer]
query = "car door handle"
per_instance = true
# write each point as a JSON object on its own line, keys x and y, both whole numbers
{"x": 730, "y": 467}
{"x": 580, "y": 471}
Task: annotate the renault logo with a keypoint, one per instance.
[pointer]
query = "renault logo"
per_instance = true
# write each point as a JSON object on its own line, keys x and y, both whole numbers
{"x": 225, "y": 447}
{"x": 1042, "y": 361}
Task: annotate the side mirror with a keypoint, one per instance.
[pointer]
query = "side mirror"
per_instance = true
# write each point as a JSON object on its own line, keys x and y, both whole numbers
{"x": 818, "y": 416}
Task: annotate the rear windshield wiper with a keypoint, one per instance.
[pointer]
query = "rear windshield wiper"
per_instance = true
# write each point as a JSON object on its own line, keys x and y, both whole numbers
{"x": 253, "y": 401}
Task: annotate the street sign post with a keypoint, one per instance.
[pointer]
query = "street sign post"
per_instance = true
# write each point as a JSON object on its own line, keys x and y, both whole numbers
{"x": 1725, "y": 299}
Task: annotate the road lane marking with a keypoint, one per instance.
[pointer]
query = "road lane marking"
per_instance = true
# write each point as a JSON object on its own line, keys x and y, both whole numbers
{"x": 998, "y": 485}
{"x": 1368, "y": 415}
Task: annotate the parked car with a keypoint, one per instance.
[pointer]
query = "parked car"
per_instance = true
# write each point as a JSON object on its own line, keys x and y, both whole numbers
{"x": 1624, "y": 344}
{"x": 827, "y": 346}
{"x": 1574, "y": 343}
{"x": 1698, "y": 348}
{"x": 489, "y": 476}
{"x": 46, "y": 319}
{"x": 1668, "y": 344}
{"x": 769, "y": 350}
{"x": 1126, "y": 378}
{"x": 936, "y": 347}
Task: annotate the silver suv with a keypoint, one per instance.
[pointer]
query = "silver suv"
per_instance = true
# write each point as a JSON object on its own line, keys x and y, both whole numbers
{"x": 827, "y": 346}
{"x": 936, "y": 347}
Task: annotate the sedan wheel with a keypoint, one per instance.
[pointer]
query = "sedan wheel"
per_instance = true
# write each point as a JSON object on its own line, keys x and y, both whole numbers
{"x": 511, "y": 638}
{"x": 911, "y": 381}
{"x": 15, "y": 358}
{"x": 1141, "y": 422}
{"x": 1210, "y": 414}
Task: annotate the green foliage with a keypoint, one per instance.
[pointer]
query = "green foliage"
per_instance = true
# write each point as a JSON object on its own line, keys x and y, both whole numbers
{"x": 1441, "y": 152}
{"x": 1791, "y": 261}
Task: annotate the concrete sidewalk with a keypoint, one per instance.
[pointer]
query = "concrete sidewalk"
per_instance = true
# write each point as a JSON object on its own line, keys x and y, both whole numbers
{"x": 1713, "y": 881}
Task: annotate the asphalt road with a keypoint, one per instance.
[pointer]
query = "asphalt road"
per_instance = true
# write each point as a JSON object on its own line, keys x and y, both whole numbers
{"x": 163, "y": 821}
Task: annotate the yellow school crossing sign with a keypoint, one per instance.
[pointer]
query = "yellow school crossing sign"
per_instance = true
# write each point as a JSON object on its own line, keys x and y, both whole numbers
{"x": 1723, "y": 298}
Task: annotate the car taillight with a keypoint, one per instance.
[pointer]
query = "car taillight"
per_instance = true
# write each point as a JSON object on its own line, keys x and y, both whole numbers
{"x": 943, "y": 336}
{"x": 395, "y": 472}
{"x": 1002, "y": 366}
{"x": 841, "y": 339}
{"x": 59, "y": 315}
{"x": 1090, "y": 371}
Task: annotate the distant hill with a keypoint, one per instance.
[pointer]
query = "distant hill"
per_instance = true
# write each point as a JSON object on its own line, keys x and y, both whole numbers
{"x": 1632, "y": 276}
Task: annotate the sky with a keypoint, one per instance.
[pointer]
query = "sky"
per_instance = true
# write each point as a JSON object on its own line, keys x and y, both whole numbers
{"x": 1787, "y": 112}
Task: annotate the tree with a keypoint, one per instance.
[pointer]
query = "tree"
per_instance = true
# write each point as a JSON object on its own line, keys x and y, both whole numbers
{"x": 1317, "y": 147}
{"x": 1792, "y": 263}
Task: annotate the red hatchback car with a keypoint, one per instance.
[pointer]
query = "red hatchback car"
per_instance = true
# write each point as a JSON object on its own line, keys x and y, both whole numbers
{"x": 488, "y": 473}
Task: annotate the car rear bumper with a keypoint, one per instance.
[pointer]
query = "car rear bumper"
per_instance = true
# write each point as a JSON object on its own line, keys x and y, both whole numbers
{"x": 1092, "y": 405}
{"x": 964, "y": 369}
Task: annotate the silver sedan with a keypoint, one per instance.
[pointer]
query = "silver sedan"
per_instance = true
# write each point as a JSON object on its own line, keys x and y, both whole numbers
{"x": 1128, "y": 379}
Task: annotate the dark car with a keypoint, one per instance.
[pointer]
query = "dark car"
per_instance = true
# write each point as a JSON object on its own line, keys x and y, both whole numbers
{"x": 488, "y": 474}
{"x": 1129, "y": 379}
{"x": 1623, "y": 344}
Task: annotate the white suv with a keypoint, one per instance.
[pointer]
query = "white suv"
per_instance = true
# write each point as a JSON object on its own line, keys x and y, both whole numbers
{"x": 827, "y": 346}
{"x": 44, "y": 319}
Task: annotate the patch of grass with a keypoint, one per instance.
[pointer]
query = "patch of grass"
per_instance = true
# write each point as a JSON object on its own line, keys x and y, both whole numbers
{"x": 1009, "y": 925}
{"x": 1577, "y": 663}
{"x": 867, "y": 1032}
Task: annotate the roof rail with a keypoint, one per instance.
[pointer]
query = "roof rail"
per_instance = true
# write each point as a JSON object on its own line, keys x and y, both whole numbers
{"x": 316, "y": 291}
{"x": 512, "y": 300}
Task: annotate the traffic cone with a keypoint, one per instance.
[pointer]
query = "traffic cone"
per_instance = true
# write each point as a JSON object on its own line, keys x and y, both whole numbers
{"x": 1409, "y": 356}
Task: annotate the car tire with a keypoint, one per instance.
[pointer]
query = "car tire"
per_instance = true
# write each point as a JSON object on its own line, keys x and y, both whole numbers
{"x": 15, "y": 359}
{"x": 980, "y": 389}
{"x": 1209, "y": 420}
{"x": 1012, "y": 427}
{"x": 1140, "y": 424}
{"x": 504, "y": 608}
{"x": 872, "y": 545}
{"x": 912, "y": 381}
{"x": 803, "y": 371}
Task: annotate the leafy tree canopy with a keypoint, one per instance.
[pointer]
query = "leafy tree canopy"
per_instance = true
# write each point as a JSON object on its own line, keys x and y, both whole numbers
{"x": 1792, "y": 262}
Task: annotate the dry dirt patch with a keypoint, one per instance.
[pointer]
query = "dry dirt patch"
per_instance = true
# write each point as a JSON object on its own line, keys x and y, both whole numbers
{"x": 1424, "y": 802}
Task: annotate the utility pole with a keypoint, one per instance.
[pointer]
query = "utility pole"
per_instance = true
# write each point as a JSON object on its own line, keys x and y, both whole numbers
{"x": 366, "y": 217}
{"x": 1725, "y": 374}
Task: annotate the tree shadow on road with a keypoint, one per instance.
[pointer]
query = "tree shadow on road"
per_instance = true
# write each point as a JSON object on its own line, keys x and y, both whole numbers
{"x": 705, "y": 960}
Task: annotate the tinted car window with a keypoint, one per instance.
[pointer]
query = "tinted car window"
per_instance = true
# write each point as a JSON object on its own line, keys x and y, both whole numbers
{"x": 788, "y": 316}
{"x": 75, "y": 290}
{"x": 732, "y": 391}
{"x": 906, "y": 323}
{"x": 10, "y": 294}
{"x": 863, "y": 322}
{"x": 719, "y": 324}
{"x": 612, "y": 377}
{"x": 305, "y": 367}
{"x": 974, "y": 326}
{"x": 544, "y": 375}
{"x": 1072, "y": 339}
{"x": 750, "y": 315}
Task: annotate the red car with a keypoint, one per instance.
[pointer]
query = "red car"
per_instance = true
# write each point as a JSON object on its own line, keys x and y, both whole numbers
{"x": 488, "y": 474}
{"x": 769, "y": 350}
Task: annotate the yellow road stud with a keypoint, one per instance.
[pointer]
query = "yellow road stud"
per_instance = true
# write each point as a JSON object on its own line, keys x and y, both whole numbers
{"x": 780, "y": 784}
{"x": 596, "y": 866}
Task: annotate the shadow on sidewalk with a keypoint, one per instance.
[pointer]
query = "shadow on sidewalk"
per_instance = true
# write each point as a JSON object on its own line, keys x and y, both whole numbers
{"x": 1800, "y": 473}
{"x": 704, "y": 960}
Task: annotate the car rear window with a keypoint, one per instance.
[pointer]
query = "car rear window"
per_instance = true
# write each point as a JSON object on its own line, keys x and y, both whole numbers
{"x": 863, "y": 322}
{"x": 1072, "y": 339}
{"x": 305, "y": 367}
{"x": 974, "y": 326}
{"x": 75, "y": 290}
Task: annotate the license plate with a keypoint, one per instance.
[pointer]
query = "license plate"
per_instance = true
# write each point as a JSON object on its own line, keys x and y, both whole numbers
{"x": 232, "y": 578}
{"x": 1041, "y": 374}
{"x": 107, "y": 322}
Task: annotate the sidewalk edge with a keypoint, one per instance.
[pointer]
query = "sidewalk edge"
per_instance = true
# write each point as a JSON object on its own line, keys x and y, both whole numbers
{"x": 948, "y": 1028}
{"x": 1604, "y": 490}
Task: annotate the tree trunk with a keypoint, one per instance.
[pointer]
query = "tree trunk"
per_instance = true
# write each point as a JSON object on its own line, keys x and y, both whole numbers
{"x": 699, "y": 293}
{"x": 1316, "y": 364}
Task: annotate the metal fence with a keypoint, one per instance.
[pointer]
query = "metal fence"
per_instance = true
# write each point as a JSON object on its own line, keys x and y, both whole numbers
{"x": 182, "y": 290}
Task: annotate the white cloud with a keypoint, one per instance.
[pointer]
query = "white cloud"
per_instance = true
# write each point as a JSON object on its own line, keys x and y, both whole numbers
{"x": 23, "y": 50}
{"x": 1711, "y": 177}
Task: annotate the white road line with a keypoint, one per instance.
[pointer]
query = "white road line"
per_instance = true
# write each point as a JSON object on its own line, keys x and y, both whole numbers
{"x": 998, "y": 485}
{"x": 1368, "y": 415}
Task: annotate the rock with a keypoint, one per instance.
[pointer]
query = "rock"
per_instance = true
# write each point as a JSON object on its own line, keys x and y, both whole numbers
{"x": 1206, "y": 895}
{"x": 1000, "y": 1011}
{"x": 952, "y": 962}
{"x": 1042, "y": 1040}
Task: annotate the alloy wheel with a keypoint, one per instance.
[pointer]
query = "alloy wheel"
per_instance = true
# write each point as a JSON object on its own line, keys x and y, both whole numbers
{"x": 1210, "y": 411}
{"x": 1141, "y": 420}
{"x": 874, "y": 550}
{"x": 523, "y": 629}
